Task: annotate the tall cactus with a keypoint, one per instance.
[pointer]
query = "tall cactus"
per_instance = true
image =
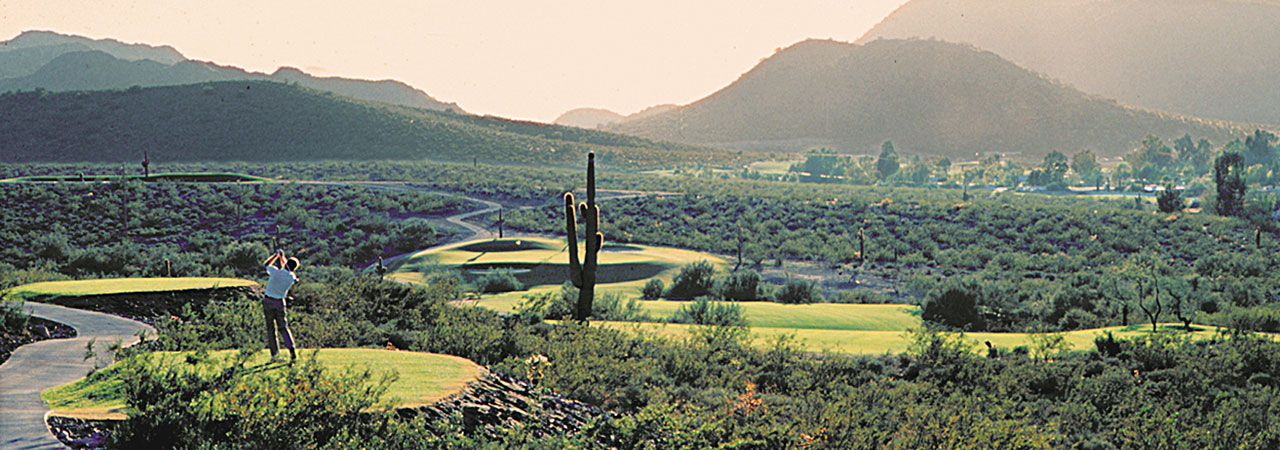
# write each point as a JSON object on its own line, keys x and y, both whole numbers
{"x": 583, "y": 275}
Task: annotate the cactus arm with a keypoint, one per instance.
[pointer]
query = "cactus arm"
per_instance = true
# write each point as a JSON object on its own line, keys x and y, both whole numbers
{"x": 591, "y": 178}
{"x": 571, "y": 229}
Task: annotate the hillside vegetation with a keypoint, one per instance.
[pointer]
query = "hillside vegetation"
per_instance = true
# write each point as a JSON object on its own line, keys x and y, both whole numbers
{"x": 925, "y": 96}
{"x": 266, "y": 121}
{"x": 1208, "y": 58}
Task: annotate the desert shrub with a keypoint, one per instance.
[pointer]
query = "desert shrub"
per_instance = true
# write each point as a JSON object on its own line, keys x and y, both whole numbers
{"x": 797, "y": 291}
{"x": 743, "y": 285}
{"x": 955, "y": 307}
{"x": 702, "y": 311}
{"x": 1169, "y": 200}
{"x": 560, "y": 305}
{"x": 611, "y": 306}
{"x": 863, "y": 296}
{"x": 652, "y": 289}
{"x": 218, "y": 325}
{"x": 498, "y": 280}
{"x": 1258, "y": 318}
{"x": 694, "y": 280}
{"x": 224, "y": 403}
{"x": 1076, "y": 319}
{"x": 13, "y": 320}
{"x": 244, "y": 257}
{"x": 11, "y": 277}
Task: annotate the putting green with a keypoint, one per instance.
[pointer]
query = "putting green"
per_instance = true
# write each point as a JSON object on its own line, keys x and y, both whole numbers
{"x": 543, "y": 265}
{"x": 424, "y": 378}
{"x": 855, "y": 342}
{"x": 120, "y": 286}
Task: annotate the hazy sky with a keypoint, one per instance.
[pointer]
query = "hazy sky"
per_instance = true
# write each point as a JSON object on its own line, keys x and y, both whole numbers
{"x": 524, "y": 59}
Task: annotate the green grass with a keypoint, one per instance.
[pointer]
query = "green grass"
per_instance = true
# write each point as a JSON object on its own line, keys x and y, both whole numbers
{"x": 423, "y": 379}
{"x": 817, "y": 316}
{"x": 120, "y": 286}
{"x": 875, "y": 342}
{"x": 542, "y": 265}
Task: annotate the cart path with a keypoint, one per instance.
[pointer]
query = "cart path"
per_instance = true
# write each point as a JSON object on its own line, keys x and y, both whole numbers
{"x": 45, "y": 364}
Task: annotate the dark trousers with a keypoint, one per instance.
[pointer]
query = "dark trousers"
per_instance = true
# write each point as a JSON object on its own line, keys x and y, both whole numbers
{"x": 273, "y": 310}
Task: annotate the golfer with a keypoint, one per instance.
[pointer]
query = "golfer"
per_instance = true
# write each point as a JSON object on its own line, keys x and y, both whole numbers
{"x": 281, "y": 278}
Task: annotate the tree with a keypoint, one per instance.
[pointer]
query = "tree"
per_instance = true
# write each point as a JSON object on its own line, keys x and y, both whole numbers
{"x": 1183, "y": 147}
{"x": 1199, "y": 159}
{"x": 1154, "y": 153}
{"x": 1055, "y": 167}
{"x": 1259, "y": 148}
{"x": 1138, "y": 281}
{"x": 1169, "y": 200}
{"x": 956, "y": 307}
{"x": 887, "y": 164}
{"x": 1228, "y": 174}
{"x": 944, "y": 166}
{"x": 1085, "y": 163}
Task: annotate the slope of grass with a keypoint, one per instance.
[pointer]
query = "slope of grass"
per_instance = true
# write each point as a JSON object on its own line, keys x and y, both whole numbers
{"x": 818, "y": 316}
{"x": 120, "y": 286}
{"x": 424, "y": 378}
{"x": 875, "y": 342}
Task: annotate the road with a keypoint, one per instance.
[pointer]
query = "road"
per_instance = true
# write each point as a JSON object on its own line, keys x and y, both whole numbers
{"x": 35, "y": 367}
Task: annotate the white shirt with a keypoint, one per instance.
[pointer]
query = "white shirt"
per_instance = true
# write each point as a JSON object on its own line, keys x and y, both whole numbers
{"x": 279, "y": 282}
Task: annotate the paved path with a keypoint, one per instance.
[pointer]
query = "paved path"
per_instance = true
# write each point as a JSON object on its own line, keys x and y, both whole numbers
{"x": 35, "y": 367}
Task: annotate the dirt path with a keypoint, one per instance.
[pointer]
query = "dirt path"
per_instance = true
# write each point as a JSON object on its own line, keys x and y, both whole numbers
{"x": 45, "y": 364}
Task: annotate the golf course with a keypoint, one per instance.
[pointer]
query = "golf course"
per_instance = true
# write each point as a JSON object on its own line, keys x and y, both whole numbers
{"x": 833, "y": 328}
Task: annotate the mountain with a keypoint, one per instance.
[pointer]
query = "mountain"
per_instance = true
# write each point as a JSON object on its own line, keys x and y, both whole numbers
{"x": 588, "y": 118}
{"x": 26, "y": 53}
{"x": 273, "y": 121}
{"x": 56, "y": 62}
{"x": 1207, "y": 58}
{"x": 597, "y": 118}
{"x": 927, "y": 97}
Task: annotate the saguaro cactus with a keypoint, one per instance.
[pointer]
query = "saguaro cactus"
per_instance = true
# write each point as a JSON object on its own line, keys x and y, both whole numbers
{"x": 583, "y": 275}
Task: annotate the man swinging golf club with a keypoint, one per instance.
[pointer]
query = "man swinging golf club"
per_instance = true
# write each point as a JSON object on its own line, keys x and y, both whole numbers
{"x": 280, "y": 279}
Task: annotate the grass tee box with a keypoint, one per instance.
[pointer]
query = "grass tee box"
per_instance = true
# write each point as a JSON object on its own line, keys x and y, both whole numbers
{"x": 111, "y": 286}
{"x": 424, "y": 378}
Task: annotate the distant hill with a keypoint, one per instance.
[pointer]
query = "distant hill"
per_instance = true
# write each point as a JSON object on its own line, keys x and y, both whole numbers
{"x": 48, "y": 41}
{"x": 1207, "y": 58}
{"x": 926, "y": 96}
{"x": 597, "y": 118}
{"x": 271, "y": 121}
{"x": 588, "y": 118}
{"x": 386, "y": 91}
{"x": 96, "y": 70}
{"x": 55, "y": 62}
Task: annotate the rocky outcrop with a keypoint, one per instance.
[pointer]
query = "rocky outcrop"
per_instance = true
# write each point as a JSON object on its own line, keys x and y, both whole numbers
{"x": 495, "y": 401}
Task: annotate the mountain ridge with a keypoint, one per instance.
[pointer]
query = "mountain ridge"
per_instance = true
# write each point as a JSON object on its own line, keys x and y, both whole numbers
{"x": 58, "y": 62}
{"x": 1207, "y": 58}
{"x": 926, "y": 96}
